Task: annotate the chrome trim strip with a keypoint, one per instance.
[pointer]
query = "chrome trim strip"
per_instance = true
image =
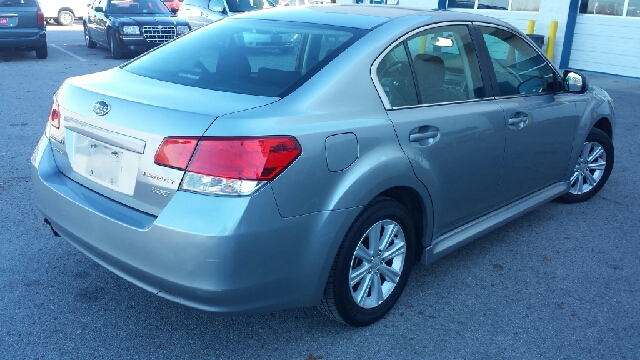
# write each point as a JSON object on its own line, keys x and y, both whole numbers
{"x": 106, "y": 136}
{"x": 374, "y": 66}
{"x": 454, "y": 239}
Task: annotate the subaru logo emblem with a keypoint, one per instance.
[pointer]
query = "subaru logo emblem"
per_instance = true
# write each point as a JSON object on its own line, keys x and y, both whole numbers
{"x": 101, "y": 107}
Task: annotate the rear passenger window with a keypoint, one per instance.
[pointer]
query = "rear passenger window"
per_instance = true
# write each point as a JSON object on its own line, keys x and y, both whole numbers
{"x": 445, "y": 65}
{"x": 519, "y": 68}
{"x": 395, "y": 77}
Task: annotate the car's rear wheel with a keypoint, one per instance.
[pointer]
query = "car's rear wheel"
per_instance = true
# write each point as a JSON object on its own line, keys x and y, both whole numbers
{"x": 42, "y": 52}
{"x": 593, "y": 168}
{"x": 114, "y": 46}
{"x": 65, "y": 18}
{"x": 372, "y": 265}
{"x": 91, "y": 44}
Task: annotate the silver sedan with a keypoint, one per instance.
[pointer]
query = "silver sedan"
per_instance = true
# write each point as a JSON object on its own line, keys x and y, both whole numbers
{"x": 237, "y": 181}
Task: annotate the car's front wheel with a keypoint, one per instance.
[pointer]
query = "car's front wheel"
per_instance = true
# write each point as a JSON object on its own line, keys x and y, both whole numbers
{"x": 372, "y": 265}
{"x": 91, "y": 44}
{"x": 593, "y": 168}
{"x": 114, "y": 46}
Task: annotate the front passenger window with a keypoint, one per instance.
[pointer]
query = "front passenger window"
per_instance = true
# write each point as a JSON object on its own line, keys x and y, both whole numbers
{"x": 519, "y": 68}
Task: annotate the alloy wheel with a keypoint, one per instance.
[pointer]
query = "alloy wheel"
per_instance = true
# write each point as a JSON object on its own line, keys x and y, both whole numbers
{"x": 377, "y": 264}
{"x": 590, "y": 168}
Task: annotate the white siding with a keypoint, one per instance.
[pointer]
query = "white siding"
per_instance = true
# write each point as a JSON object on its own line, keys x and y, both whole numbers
{"x": 608, "y": 44}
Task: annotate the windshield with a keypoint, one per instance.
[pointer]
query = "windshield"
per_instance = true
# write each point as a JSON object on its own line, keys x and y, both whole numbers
{"x": 248, "y": 5}
{"x": 138, "y": 7}
{"x": 25, "y": 3}
{"x": 247, "y": 56}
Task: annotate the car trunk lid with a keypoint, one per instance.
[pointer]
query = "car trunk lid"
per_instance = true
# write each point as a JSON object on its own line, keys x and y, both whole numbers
{"x": 112, "y": 123}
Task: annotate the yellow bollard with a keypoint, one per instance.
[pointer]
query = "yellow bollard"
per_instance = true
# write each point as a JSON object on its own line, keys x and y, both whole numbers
{"x": 553, "y": 29}
{"x": 423, "y": 44}
{"x": 530, "y": 26}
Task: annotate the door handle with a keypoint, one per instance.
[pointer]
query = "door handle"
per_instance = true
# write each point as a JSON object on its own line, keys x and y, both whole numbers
{"x": 417, "y": 137}
{"x": 518, "y": 122}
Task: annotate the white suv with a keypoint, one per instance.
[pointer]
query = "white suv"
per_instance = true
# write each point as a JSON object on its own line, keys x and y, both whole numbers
{"x": 64, "y": 12}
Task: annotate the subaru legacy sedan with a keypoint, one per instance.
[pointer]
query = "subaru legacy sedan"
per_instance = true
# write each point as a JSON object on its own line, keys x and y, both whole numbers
{"x": 319, "y": 176}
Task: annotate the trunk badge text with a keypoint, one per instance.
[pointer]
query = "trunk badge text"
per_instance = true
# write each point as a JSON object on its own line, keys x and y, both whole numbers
{"x": 101, "y": 107}
{"x": 158, "y": 177}
{"x": 159, "y": 192}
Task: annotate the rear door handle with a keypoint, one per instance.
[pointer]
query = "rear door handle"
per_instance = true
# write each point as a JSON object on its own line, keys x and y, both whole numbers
{"x": 423, "y": 136}
{"x": 519, "y": 121}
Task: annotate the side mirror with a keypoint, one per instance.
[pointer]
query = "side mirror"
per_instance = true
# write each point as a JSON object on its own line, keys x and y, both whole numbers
{"x": 98, "y": 9}
{"x": 575, "y": 82}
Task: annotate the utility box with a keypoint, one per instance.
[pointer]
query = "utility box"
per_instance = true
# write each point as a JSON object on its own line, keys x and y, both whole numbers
{"x": 537, "y": 39}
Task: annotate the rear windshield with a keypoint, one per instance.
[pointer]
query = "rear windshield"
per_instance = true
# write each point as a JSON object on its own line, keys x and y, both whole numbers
{"x": 25, "y": 3}
{"x": 247, "y": 56}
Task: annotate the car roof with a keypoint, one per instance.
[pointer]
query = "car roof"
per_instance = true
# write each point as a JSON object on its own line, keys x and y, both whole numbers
{"x": 360, "y": 16}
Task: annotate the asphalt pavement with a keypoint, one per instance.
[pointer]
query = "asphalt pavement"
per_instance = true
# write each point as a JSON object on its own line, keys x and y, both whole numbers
{"x": 558, "y": 283}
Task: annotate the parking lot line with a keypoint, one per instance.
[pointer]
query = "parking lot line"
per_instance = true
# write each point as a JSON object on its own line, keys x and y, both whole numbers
{"x": 68, "y": 53}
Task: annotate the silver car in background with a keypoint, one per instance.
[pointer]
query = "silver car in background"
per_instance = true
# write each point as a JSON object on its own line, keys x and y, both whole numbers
{"x": 319, "y": 176}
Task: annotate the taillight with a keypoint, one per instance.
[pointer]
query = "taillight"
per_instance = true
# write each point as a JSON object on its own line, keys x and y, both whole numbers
{"x": 228, "y": 166}
{"x": 176, "y": 152}
{"x": 40, "y": 16}
{"x": 54, "y": 114}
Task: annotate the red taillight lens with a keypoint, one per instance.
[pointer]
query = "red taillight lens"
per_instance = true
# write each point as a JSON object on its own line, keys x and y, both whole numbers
{"x": 40, "y": 16}
{"x": 54, "y": 115}
{"x": 260, "y": 159}
{"x": 176, "y": 152}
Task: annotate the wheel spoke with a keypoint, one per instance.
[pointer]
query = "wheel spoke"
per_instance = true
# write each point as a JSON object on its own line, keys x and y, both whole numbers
{"x": 363, "y": 290}
{"x": 397, "y": 249}
{"x": 376, "y": 289}
{"x": 579, "y": 183}
{"x": 596, "y": 153}
{"x": 389, "y": 232}
{"x": 574, "y": 177}
{"x": 363, "y": 253}
{"x": 374, "y": 237}
{"x": 585, "y": 151}
{"x": 597, "y": 165}
{"x": 389, "y": 273}
{"x": 358, "y": 273}
{"x": 590, "y": 179}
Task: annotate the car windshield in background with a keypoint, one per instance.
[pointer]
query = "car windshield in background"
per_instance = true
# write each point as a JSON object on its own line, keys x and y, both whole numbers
{"x": 248, "y": 5}
{"x": 137, "y": 7}
{"x": 25, "y": 3}
{"x": 247, "y": 56}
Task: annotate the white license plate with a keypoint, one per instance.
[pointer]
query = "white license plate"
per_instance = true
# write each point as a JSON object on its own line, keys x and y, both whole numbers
{"x": 104, "y": 164}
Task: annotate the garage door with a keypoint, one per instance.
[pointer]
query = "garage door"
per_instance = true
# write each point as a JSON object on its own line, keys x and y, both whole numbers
{"x": 608, "y": 43}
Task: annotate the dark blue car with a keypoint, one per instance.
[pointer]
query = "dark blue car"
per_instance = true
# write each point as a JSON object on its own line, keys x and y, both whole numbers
{"x": 22, "y": 27}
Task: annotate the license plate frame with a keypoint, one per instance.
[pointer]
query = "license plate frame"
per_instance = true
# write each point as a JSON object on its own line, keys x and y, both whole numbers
{"x": 107, "y": 165}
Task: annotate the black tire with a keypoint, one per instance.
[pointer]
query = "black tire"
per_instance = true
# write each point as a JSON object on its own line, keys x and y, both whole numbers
{"x": 65, "y": 18}
{"x": 338, "y": 301}
{"x": 114, "y": 46}
{"x": 42, "y": 52}
{"x": 91, "y": 44}
{"x": 595, "y": 137}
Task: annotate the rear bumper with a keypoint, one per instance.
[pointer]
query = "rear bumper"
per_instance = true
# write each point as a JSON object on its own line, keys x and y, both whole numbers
{"x": 7, "y": 41}
{"x": 229, "y": 255}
